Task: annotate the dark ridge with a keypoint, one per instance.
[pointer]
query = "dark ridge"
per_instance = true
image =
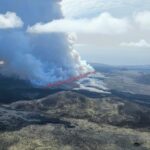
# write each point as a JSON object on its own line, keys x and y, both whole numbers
{"x": 14, "y": 89}
{"x": 91, "y": 94}
{"x": 32, "y": 119}
{"x": 12, "y": 95}
{"x": 140, "y": 99}
{"x": 143, "y": 79}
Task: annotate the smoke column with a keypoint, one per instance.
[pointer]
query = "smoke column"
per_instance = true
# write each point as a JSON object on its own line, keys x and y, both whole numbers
{"x": 44, "y": 58}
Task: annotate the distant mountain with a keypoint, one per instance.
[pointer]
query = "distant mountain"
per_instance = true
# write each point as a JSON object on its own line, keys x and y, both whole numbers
{"x": 110, "y": 68}
{"x": 133, "y": 80}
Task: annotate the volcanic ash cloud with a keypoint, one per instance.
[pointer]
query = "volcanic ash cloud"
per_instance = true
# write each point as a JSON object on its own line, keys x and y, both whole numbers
{"x": 40, "y": 58}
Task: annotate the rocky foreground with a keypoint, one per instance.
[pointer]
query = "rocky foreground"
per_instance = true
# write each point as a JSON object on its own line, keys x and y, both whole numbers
{"x": 70, "y": 121}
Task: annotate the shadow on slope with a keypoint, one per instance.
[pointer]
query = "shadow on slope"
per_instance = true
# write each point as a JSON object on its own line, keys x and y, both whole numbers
{"x": 13, "y": 89}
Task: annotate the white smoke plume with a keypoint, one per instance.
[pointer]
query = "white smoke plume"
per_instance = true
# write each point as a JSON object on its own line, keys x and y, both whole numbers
{"x": 44, "y": 58}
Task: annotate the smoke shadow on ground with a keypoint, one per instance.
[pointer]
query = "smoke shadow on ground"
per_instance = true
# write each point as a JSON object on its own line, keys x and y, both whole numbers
{"x": 14, "y": 89}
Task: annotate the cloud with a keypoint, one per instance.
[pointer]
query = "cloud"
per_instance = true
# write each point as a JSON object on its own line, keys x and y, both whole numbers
{"x": 105, "y": 23}
{"x": 143, "y": 19}
{"x": 86, "y": 8}
{"x": 80, "y": 8}
{"x": 139, "y": 44}
{"x": 10, "y": 20}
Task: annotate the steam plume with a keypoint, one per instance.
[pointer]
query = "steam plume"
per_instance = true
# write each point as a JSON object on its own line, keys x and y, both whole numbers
{"x": 44, "y": 58}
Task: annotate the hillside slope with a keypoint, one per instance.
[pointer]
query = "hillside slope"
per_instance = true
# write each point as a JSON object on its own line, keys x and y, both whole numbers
{"x": 71, "y": 121}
